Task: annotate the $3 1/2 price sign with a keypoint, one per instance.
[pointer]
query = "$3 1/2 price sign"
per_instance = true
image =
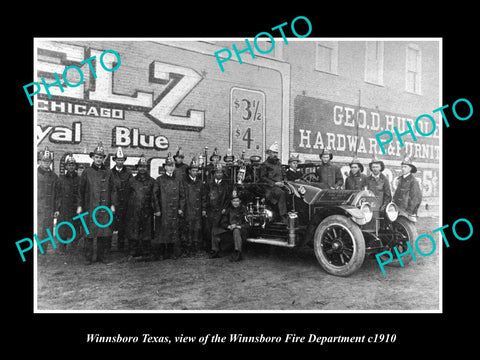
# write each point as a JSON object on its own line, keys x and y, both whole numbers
{"x": 247, "y": 122}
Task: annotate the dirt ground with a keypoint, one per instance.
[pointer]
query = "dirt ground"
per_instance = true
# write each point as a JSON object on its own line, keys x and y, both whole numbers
{"x": 269, "y": 278}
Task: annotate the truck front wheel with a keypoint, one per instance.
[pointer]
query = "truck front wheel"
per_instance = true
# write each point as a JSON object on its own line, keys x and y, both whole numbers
{"x": 339, "y": 245}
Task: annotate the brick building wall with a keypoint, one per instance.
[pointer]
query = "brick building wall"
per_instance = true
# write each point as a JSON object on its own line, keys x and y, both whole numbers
{"x": 173, "y": 93}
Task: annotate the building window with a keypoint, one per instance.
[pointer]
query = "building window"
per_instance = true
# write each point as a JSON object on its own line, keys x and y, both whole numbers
{"x": 266, "y": 45}
{"x": 413, "y": 69}
{"x": 374, "y": 62}
{"x": 326, "y": 56}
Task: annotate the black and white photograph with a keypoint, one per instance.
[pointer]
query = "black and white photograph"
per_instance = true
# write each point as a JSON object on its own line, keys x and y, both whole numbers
{"x": 225, "y": 181}
{"x": 267, "y": 174}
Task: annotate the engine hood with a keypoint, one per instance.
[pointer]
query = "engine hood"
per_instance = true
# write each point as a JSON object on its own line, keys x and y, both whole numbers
{"x": 314, "y": 194}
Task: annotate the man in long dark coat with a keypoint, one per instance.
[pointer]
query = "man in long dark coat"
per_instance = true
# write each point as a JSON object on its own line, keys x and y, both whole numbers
{"x": 271, "y": 172}
{"x": 69, "y": 183}
{"x": 121, "y": 176}
{"x": 378, "y": 183}
{"x": 232, "y": 223}
{"x": 356, "y": 179}
{"x": 141, "y": 206}
{"x": 329, "y": 174}
{"x": 408, "y": 194}
{"x": 48, "y": 198}
{"x": 217, "y": 199}
{"x": 170, "y": 195}
{"x": 97, "y": 189}
{"x": 195, "y": 209}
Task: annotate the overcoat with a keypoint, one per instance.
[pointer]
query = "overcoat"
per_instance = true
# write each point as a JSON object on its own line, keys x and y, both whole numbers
{"x": 217, "y": 198}
{"x": 96, "y": 188}
{"x": 68, "y": 185}
{"x": 48, "y": 200}
{"x": 356, "y": 181}
{"x": 141, "y": 205}
{"x": 170, "y": 195}
{"x": 408, "y": 195}
{"x": 271, "y": 171}
{"x": 330, "y": 175}
{"x": 231, "y": 216}
{"x": 381, "y": 188}
{"x": 121, "y": 179}
{"x": 195, "y": 202}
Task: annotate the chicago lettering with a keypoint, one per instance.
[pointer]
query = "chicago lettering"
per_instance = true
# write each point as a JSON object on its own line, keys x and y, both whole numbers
{"x": 419, "y": 129}
{"x": 57, "y": 58}
{"x": 66, "y": 107}
{"x": 255, "y": 44}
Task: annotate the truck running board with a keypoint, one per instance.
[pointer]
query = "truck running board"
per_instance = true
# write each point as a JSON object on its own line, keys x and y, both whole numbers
{"x": 270, "y": 242}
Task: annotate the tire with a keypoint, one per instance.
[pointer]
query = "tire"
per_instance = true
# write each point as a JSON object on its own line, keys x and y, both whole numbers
{"x": 408, "y": 231}
{"x": 339, "y": 245}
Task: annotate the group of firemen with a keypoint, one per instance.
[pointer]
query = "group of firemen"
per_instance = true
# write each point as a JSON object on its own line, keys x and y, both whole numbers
{"x": 180, "y": 213}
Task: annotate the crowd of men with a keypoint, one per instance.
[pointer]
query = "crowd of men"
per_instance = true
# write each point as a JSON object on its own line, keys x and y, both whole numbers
{"x": 179, "y": 213}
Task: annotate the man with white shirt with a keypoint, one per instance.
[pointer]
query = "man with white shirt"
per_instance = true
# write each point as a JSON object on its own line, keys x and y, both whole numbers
{"x": 121, "y": 175}
{"x": 378, "y": 183}
{"x": 408, "y": 195}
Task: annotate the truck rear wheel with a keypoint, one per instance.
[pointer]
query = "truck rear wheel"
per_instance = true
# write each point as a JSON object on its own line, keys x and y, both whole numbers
{"x": 339, "y": 245}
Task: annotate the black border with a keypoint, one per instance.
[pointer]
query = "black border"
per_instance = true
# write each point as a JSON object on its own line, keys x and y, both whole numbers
{"x": 416, "y": 333}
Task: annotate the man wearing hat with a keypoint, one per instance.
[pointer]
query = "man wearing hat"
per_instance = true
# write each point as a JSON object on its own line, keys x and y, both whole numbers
{"x": 97, "y": 188}
{"x": 292, "y": 172}
{"x": 195, "y": 209}
{"x": 232, "y": 223}
{"x": 48, "y": 196}
{"x": 180, "y": 167}
{"x": 214, "y": 160}
{"x": 141, "y": 206}
{"x": 121, "y": 176}
{"x": 356, "y": 180}
{"x": 408, "y": 195}
{"x": 378, "y": 183}
{"x": 170, "y": 195}
{"x": 69, "y": 200}
{"x": 271, "y": 172}
{"x": 217, "y": 193}
{"x": 329, "y": 174}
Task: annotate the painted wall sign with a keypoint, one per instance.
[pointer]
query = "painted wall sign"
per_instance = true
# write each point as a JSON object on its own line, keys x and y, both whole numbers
{"x": 123, "y": 136}
{"x": 247, "y": 122}
{"x": 348, "y": 129}
{"x": 98, "y": 96}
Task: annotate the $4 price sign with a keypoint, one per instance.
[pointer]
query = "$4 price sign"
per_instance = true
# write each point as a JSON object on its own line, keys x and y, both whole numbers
{"x": 248, "y": 124}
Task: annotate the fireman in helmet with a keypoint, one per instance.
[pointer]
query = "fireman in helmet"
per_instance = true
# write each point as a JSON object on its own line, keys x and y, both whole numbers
{"x": 271, "y": 172}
